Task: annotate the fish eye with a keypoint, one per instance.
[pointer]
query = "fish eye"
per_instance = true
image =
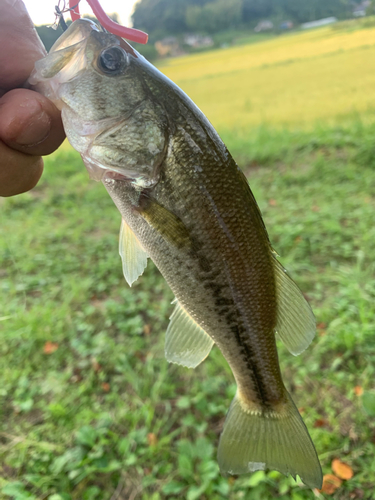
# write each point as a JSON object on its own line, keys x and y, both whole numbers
{"x": 112, "y": 60}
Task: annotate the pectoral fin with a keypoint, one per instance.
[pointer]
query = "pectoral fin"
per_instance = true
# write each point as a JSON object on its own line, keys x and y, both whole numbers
{"x": 133, "y": 256}
{"x": 186, "y": 343}
{"x": 295, "y": 319}
{"x": 168, "y": 225}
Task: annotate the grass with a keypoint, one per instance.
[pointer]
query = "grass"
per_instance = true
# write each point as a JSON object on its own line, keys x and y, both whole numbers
{"x": 294, "y": 80}
{"x": 91, "y": 410}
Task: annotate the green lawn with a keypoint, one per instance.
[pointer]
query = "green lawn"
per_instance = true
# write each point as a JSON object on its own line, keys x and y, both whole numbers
{"x": 102, "y": 415}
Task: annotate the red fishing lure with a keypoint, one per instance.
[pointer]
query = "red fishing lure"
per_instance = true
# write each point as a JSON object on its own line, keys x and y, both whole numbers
{"x": 107, "y": 23}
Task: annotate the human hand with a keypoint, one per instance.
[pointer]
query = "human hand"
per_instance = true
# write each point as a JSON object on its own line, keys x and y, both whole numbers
{"x": 30, "y": 124}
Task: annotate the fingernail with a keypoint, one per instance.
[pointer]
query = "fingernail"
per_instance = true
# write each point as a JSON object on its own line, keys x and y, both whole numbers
{"x": 36, "y": 131}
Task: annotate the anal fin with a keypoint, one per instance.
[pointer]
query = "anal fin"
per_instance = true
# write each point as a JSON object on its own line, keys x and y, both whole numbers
{"x": 295, "y": 320}
{"x": 186, "y": 343}
{"x": 133, "y": 256}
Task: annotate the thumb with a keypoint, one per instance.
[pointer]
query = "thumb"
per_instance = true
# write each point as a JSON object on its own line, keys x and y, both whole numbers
{"x": 30, "y": 123}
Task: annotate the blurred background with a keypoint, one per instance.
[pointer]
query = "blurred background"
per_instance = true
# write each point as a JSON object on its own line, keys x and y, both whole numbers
{"x": 90, "y": 409}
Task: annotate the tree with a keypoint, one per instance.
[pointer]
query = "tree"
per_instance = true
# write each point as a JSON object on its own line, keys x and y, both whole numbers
{"x": 162, "y": 15}
{"x": 370, "y": 11}
{"x": 214, "y": 16}
{"x": 254, "y": 10}
{"x": 302, "y": 11}
{"x": 177, "y": 16}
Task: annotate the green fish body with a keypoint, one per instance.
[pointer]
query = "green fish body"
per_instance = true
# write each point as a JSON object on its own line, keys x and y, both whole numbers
{"x": 187, "y": 206}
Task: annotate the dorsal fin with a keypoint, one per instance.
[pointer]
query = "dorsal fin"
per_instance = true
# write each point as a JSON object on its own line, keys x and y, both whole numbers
{"x": 133, "y": 256}
{"x": 186, "y": 343}
{"x": 295, "y": 319}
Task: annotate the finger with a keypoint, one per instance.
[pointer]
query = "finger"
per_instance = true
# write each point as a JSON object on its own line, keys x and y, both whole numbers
{"x": 30, "y": 123}
{"x": 19, "y": 42}
{"x": 19, "y": 172}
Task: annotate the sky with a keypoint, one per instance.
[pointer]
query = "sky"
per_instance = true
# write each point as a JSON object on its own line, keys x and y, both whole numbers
{"x": 42, "y": 11}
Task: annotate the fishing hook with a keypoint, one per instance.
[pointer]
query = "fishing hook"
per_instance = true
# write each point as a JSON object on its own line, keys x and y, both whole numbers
{"x": 59, "y": 19}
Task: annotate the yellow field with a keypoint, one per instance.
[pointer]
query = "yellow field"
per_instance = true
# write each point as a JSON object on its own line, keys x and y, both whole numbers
{"x": 297, "y": 79}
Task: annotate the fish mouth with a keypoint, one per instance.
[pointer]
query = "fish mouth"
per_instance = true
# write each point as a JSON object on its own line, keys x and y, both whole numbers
{"x": 65, "y": 60}
{"x": 79, "y": 31}
{"x": 67, "y": 55}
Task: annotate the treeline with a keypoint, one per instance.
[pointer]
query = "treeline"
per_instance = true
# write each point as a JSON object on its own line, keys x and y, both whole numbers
{"x": 162, "y": 17}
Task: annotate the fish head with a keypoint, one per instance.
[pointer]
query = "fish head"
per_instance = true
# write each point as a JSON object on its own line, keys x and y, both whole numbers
{"x": 110, "y": 116}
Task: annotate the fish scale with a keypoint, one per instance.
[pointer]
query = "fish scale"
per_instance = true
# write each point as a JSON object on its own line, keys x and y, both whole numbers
{"x": 185, "y": 203}
{"x": 226, "y": 189}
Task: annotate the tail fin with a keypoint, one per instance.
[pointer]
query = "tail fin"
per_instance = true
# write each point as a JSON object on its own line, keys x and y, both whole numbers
{"x": 268, "y": 439}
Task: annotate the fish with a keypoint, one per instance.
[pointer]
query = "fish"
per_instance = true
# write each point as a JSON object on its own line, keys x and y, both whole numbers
{"x": 186, "y": 205}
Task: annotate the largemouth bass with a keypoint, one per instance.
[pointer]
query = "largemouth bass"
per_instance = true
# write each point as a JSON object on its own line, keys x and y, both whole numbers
{"x": 186, "y": 204}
